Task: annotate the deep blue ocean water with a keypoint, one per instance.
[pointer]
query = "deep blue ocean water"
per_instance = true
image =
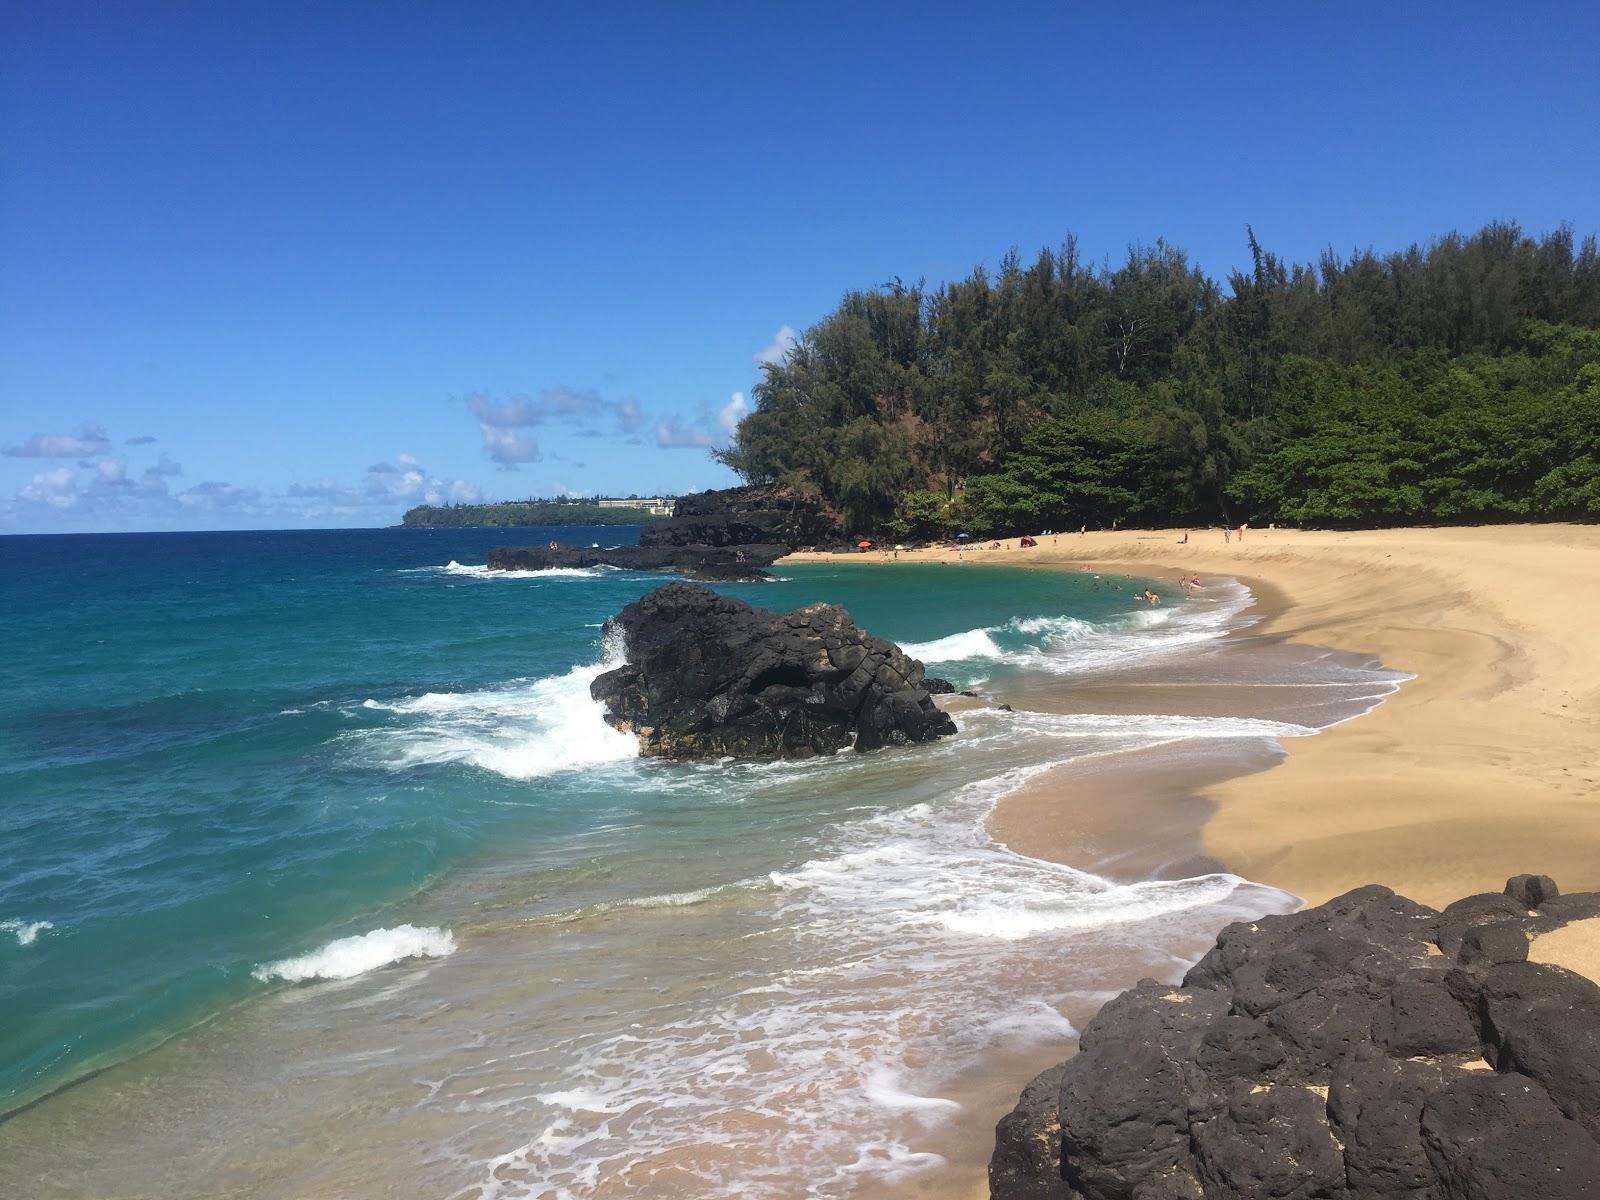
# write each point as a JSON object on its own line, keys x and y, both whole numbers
{"x": 224, "y": 750}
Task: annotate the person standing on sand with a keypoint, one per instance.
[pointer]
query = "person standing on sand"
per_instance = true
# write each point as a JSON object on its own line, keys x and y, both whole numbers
{"x": 1243, "y": 525}
{"x": 1184, "y": 540}
{"x": 1227, "y": 534}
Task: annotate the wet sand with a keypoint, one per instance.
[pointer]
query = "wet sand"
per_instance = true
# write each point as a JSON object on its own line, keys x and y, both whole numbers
{"x": 1488, "y": 764}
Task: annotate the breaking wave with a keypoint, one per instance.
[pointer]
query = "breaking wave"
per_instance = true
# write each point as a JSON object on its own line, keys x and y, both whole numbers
{"x": 347, "y": 957}
{"x": 524, "y": 730}
{"x": 27, "y": 932}
{"x": 1068, "y": 645}
{"x": 482, "y": 571}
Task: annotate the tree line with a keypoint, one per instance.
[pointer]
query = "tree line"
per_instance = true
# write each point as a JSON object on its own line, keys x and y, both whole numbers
{"x": 1453, "y": 381}
{"x": 506, "y": 514}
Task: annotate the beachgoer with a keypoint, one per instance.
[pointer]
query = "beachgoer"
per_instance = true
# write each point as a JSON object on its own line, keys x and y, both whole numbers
{"x": 1184, "y": 540}
{"x": 1227, "y": 534}
{"x": 1242, "y": 527}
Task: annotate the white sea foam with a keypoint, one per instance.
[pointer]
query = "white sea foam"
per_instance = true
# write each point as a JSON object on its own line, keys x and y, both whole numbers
{"x": 664, "y": 900}
{"x": 872, "y": 975}
{"x": 27, "y": 932}
{"x": 524, "y": 730}
{"x": 1070, "y": 645}
{"x": 483, "y": 571}
{"x": 885, "y": 1087}
{"x": 958, "y": 647}
{"x": 1152, "y": 728}
{"x": 347, "y": 957}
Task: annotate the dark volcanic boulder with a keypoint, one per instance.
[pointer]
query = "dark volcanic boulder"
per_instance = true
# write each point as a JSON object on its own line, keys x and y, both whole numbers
{"x": 726, "y": 572}
{"x": 1027, "y": 1144}
{"x": 1370, "y": 1048}
{"x": 720, "y": 562}
{"x": 709, "y": 676}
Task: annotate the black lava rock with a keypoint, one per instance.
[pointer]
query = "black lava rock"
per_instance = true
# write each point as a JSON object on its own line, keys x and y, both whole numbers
{"x": 1339, "y": 1053}
{"x": 935, "y": 686}
{"x": 1027, "y": 1150}
{"x": 1497, "y": 942}
{"x": 742, "y": 561}
{"x": 1531, "y": 891}
{"x": 709, "y": 676}
{"x": 758, "y": 515}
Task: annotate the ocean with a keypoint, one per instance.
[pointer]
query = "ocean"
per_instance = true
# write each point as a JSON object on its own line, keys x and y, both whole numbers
{"x": 325, "y": 877}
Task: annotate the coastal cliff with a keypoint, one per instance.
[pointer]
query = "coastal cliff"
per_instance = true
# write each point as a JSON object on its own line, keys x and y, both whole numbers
{"x": 723, "y": 535}
{"x": 1370, "y": 1048}
{"x": 513, "y": 514}
{"x": 745, "y": 516}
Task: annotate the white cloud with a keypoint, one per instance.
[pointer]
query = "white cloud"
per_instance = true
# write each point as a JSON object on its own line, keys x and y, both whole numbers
{"x": 559, "y": 403}
{"x": 384, "y": 485}
{"x": 214, "y": 494}
{"x": 731, "y": 413}
{"x": 584, "y": 409}
{"x": 105, "y": 493}
{"x": 90, "y": 440}
{"x": 673, "y": 434}
{"x": 454, "y": 491}
{"x": 56, "y": 489}
{"x": 507, "y": 447}
{"x": 405, "y": 484}
{"x": 629, "y": 415}
{"x": 774, "y": 352}
{"x": 163, "y": 466}
{"x": 142, "y": 440}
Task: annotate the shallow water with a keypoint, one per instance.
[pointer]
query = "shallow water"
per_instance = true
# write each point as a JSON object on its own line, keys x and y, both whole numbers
{"x": 346, "y": 799}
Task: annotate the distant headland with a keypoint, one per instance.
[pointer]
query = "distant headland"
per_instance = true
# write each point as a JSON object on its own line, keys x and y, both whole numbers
{"x": 557, "y": 510}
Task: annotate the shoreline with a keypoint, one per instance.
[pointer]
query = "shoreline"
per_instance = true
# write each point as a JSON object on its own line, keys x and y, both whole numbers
{"x": 1485, "y": 765}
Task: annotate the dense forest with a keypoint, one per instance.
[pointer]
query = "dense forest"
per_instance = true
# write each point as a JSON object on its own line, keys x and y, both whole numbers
{"x": 507, "y": 514}
{"x": 1458, "y": 381}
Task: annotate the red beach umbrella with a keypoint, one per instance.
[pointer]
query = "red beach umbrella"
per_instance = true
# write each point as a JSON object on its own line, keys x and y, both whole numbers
{"x": 864, "y": 545}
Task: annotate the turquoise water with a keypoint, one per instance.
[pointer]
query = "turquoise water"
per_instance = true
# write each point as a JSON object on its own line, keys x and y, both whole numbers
{"x": 223, "y": 751}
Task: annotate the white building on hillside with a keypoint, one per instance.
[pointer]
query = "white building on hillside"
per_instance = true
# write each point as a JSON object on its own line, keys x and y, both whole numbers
{"x": 654, "y": 505}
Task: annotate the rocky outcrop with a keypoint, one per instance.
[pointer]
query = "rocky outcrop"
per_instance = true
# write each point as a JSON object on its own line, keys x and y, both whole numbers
{"x": 726, "y": 563}
{"x": 709, "y": 676}
{"x": 1370, "y": 1048}
{"x": 727, "y": 536}
{"x": 744, "y": 516}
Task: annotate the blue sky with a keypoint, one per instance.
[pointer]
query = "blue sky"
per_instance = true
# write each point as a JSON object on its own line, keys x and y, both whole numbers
{"x": 274, "y": 265}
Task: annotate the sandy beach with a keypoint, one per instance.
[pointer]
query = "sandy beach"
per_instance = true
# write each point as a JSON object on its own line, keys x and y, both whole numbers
{"x": 1485, "y": 765}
